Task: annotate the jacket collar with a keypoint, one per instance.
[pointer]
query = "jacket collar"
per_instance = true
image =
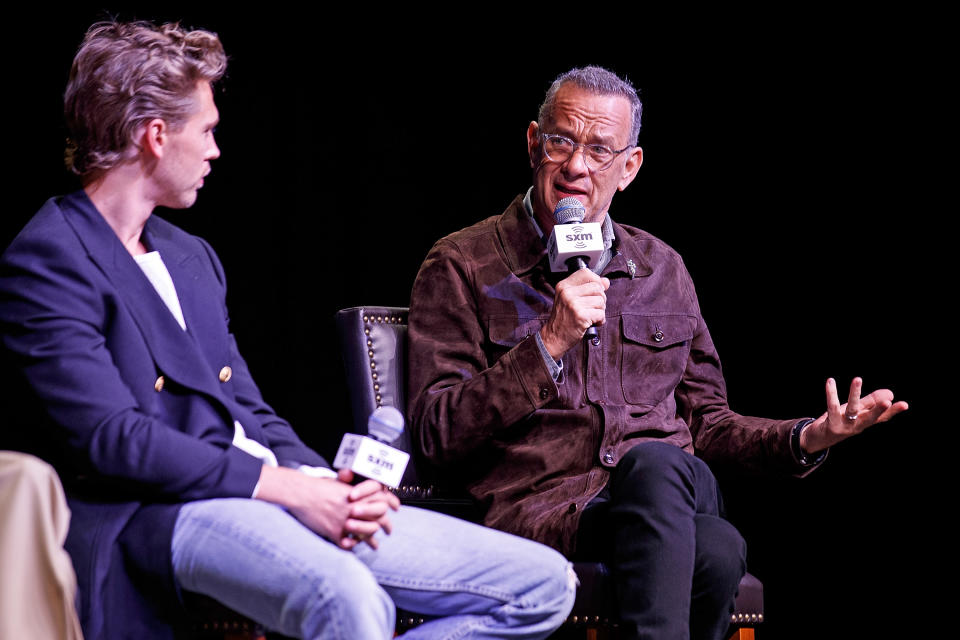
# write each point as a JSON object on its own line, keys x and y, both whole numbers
{"x": 522, "y": 246}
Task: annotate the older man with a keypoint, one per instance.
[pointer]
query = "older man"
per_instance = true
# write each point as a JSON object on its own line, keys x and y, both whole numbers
{"x": 178, "y": 475}
{"x": 587, "y": 445}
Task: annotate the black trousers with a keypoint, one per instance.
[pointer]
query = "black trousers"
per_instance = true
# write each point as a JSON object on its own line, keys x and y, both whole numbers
{"x": 676, "y": 561}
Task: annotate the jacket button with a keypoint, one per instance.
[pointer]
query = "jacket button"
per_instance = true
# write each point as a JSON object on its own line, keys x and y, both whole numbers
{"x": 608, "y": 458}
{"x": 158, "y": 385}
{"x": 572, "y": 508}
{"x": 658, "y": 336}
{"x": 225, "y": 374}
{"x": 544, "y": 393}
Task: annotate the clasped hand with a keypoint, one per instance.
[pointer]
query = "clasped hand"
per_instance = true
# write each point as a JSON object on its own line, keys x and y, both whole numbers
{"x": 344, "y": 514}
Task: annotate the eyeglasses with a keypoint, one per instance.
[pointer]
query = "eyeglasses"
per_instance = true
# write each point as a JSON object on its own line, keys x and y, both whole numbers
{"x": 597, "y": 156}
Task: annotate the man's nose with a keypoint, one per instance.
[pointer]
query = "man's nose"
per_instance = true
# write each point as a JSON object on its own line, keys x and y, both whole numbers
{"x": 576, "y": 164}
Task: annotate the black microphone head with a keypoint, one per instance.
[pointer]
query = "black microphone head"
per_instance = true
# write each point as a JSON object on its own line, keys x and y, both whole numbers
{"x": 569, "y": 211}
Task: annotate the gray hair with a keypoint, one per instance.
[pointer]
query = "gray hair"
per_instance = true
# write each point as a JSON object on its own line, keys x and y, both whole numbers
{"x": 126, "y": 74}
{"x": 601, "y": 82}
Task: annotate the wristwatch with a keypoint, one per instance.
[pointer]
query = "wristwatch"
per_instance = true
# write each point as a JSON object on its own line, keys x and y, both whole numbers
{"x": 805, "y": 459}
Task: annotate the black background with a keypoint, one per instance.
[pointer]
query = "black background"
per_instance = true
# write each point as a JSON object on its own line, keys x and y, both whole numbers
{"x": 794, "y": 160}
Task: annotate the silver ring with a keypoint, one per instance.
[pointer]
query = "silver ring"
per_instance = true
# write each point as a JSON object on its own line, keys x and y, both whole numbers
{"x": 849, "y": 417}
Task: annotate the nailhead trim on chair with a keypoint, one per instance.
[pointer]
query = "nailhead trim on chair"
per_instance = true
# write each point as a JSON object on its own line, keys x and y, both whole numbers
{"x": 230, "y": 627}
{"x": 368, "y": 320}
{"x": 415, "y": 492}
{"x": 740, "y": 618}
{"x": 748, "y": 618}
{"x": 591, "y": 621}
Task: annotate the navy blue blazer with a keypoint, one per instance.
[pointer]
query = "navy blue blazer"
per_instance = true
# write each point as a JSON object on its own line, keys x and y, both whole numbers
{"x": 134, "y": 412}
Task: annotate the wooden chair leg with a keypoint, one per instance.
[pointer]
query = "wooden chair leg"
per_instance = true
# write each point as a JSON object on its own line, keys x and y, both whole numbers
{"x": 743, "y": 634}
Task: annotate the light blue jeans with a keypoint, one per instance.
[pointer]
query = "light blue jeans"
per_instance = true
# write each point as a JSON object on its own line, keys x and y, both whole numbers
{"x": 260, "y": 561}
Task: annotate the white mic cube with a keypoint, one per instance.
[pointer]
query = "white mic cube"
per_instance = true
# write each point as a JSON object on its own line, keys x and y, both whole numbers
{"x": 581, "y": 239}
{"x": 372, "y": 459}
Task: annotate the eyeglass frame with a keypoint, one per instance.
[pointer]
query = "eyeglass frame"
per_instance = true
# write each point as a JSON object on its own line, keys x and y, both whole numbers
{"x": 576, "y": 145}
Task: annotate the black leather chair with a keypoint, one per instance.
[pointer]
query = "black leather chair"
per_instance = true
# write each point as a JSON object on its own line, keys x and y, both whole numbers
{"x": 374, "y": 342}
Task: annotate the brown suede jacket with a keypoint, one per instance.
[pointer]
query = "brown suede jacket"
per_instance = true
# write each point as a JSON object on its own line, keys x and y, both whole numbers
{"x": 533, "y": 450}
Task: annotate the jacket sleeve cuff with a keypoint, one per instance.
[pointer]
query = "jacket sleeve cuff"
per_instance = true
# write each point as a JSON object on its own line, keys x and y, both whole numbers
{"x": 533, "y": 373}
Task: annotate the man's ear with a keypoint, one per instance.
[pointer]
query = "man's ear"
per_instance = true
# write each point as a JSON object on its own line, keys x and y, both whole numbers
{"x": 154, "y": 137}
{"x": 630, "y": 169}
{"x": 533, "y": 144}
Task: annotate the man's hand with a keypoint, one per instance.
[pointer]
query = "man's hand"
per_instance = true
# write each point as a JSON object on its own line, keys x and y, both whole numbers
{"x": 370, "y": 501}
{"x": 344, "y": 514}
{"x": 844, "y": 420}
{"x": 580, "y": 302}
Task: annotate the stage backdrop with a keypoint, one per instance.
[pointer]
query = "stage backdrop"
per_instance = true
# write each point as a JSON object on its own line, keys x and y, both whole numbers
{"x": 795, "y": 169}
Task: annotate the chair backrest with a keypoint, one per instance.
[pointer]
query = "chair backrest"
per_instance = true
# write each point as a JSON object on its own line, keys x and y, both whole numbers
{"x": 373, "y": 342}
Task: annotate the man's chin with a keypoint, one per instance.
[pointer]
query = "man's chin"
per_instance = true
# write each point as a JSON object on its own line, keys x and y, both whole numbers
{"x": 184, "y": 202}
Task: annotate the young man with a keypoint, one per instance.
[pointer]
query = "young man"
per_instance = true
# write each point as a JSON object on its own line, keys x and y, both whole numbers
{"x": 178, "y": 475}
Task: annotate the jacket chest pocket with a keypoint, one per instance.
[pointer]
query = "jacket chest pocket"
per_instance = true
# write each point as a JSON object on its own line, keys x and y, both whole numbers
{"x": 504, "y": 333}
{"x": 654, "y": 351}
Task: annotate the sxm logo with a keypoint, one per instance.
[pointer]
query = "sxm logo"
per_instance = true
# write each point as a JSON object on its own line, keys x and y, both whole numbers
{"x": 380, "y": 462}
{"x": 578, "y": 237}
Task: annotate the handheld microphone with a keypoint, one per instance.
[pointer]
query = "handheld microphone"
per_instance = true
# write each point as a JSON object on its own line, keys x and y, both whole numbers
{"x": 373, "y": 457}
{"x": 573, "y": 243}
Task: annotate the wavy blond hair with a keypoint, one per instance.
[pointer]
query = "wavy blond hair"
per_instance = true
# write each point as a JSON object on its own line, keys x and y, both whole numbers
{"x": 126, "y": 74}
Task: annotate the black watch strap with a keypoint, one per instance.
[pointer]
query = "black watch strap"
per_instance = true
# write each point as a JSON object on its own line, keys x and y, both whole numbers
{"x": 805, "y": 459}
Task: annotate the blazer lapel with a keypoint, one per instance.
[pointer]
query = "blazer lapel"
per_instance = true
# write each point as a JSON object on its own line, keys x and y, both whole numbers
{"x": 175, "y": 351}
{"x": 198, "y": 291}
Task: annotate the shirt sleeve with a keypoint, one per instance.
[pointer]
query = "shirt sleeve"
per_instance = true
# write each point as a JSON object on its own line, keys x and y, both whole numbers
{"x": 553, "y": 366}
